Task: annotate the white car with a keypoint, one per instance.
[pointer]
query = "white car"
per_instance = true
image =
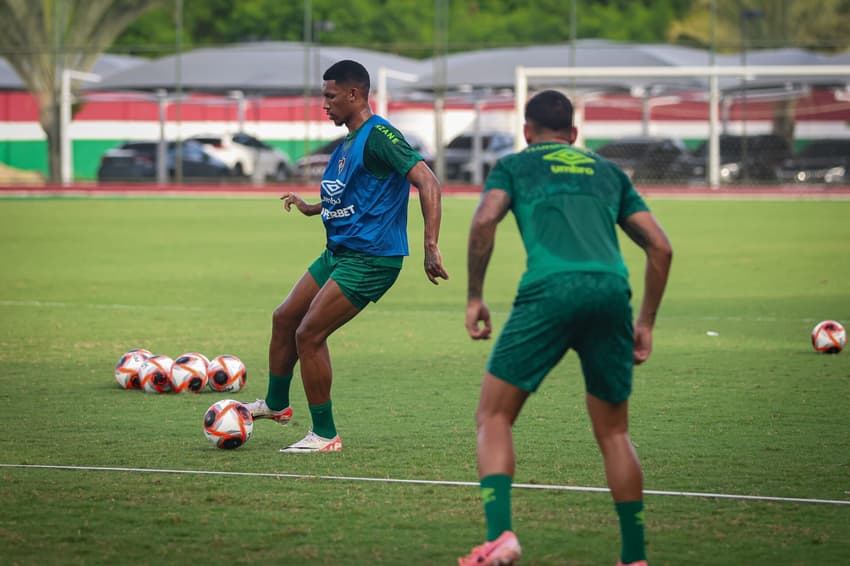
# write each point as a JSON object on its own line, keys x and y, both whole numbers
{"x": 247, "y": 156}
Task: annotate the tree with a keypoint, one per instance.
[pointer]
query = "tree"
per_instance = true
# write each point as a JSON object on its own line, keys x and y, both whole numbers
{"x": 405, "y": 27}
{"x": 742, "y": 25}
{"x": 39, "y": 38}
{"x": 780, "y": 23}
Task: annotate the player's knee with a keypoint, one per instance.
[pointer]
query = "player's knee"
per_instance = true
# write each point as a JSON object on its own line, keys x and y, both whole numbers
{"x": 306, "y": 338}
{"x": 283, "y": 319}
{"x": 613, "y": 440}
{"x": 491, "y": 416}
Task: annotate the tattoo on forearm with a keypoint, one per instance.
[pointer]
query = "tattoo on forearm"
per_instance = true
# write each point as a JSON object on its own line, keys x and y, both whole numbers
{"x": 480, "y": 250}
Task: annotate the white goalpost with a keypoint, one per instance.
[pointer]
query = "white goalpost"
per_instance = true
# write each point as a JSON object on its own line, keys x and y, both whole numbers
{"x": 713, "y": 73}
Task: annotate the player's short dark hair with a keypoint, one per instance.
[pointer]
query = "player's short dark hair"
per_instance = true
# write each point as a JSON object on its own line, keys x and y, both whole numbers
{"x": 551, "y": 110}
{"x": 348, "y": 72}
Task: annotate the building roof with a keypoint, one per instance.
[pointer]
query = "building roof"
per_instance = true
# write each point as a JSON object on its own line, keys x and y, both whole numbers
{"x": 106, "y": 65}
{"x": 270, "y": 67}
{"x": 278, "y": 67}
{"x": 494, "y": 69}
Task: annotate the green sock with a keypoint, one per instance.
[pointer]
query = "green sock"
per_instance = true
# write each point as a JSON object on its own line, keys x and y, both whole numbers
{"x": 323, "y": 419}
{"x": 496, "y": 496}
{"x": 631, "y": 531}
{"x": 277, "y": 396}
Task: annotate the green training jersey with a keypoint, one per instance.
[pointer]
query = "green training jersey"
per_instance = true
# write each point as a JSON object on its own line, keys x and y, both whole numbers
{"x": 386, "y": 152}
{"x": 567, "y": 203}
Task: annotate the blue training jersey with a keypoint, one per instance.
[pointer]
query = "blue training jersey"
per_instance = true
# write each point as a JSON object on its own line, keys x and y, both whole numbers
{"x": 361, "y": 211}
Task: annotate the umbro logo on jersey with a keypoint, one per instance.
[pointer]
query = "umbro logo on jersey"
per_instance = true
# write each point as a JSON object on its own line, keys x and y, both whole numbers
{"x": 332, "y": 187}
{"x": 570, "y": 161}
{"x": 568, "y": 157}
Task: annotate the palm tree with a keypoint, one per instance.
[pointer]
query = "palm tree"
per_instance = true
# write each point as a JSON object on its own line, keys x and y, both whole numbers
{"x": 39, "y": 38}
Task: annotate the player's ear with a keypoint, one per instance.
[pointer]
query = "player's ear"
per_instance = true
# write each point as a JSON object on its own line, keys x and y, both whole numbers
{"x": 573, "y": 135}
{"x": 527, "y": 132}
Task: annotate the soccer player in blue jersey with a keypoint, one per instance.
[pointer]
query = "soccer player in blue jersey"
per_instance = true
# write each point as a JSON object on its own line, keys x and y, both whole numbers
{"x": 364, "y": 196}
{"x": 575, "y": 295}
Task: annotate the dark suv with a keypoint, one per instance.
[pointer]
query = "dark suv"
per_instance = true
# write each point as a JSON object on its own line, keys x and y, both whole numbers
{"x": 459, "y": 158}
{"x": 820, "y": 161}
{"x": 744, "y": 159}
{"x": 136, "y": 161}
{"x": 650, "y": 159}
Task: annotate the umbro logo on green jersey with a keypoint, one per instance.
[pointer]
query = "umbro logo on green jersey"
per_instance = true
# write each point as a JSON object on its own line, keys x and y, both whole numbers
{"x": 570, "y": 161}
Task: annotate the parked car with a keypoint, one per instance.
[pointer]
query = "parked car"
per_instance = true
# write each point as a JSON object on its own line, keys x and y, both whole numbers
{"x": 313, "y": 165}
{"x": 824, "y": 160}
{"x": 744, "y": 159}
{"x": 247, "y": 156}
{"x": 650, "y": 159}
{"x": 459, "y": 157}
{"x": 136, "y": 161}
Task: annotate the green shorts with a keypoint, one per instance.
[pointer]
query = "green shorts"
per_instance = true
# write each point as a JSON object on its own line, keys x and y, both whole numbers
{"x": 361, "y": 277}
{"x": 588, "y": 312}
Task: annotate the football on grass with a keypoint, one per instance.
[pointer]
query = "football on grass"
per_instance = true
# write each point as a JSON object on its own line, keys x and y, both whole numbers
{"x": 829, "y": 337}
{"x": 128, "y": 366}
{"x": 226, "y": 374}
{"x": 155, "y": 374}
{"x": 228, "y": 424}
{"x": 189, "y": 373}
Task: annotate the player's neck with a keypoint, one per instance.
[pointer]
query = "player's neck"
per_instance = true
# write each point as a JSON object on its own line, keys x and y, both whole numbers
{"x": 358, "y": 118}
{"x": 551, "y": 138}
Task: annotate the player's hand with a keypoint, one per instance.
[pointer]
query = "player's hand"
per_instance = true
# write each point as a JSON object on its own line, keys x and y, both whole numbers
{"x": 434, "y": 265}
{"x": 291, "y": 198}
{"x": 478, "y": 320}
{"x": 643, "y": 343}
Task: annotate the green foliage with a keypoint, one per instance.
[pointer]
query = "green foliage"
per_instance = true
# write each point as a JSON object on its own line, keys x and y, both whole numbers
{"x": 771, "y": 24}
{"x": 751, "y": 411}
{"x": 405, "y": 26}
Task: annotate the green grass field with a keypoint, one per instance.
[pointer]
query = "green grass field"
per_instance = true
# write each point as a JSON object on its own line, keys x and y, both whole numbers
{"x": 751, "y": 411}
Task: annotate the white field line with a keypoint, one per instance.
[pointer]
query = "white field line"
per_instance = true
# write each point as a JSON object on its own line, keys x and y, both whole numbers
{"x": 379, "y": 311}
{"x": 423, "y": 482}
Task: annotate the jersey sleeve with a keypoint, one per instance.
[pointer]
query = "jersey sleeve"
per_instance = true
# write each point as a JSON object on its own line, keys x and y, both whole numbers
{"x": 630, "y": 201}
{"x": 500, "y": 178}
{"x": 387, "y": 151}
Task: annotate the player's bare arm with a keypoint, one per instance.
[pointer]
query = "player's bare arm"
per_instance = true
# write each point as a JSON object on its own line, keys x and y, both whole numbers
{"x": 492, "y": 207}
{"x": 643, "y": 229}
{"x": 303, "y": 207}
{"x": 421, "y": 177}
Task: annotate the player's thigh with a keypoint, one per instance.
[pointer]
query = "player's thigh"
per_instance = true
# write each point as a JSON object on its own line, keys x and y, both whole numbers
{"x": 329, "y": 310}
{"x": 532, "y": 341}
{"x": 500, "y": 398}
{"x": 605, "y": 343}
{"x": 297, "y": 302}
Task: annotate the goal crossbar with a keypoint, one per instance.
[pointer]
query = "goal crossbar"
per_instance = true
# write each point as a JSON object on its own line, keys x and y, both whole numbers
{"x": 712, "y": 72}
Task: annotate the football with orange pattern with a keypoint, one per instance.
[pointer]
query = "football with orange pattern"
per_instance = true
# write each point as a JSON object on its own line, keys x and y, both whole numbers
{"x": 228, "y": 424}
{"x": 128, "y": 366}
{"x": 226, "y": 373}
{"x": 189, "y": 373}
{"x": 155, "y": 374}
{"x": 829, "y": 337}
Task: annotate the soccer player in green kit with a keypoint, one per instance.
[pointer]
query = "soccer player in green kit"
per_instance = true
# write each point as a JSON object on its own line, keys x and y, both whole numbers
{"x": 575, "y": 295}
